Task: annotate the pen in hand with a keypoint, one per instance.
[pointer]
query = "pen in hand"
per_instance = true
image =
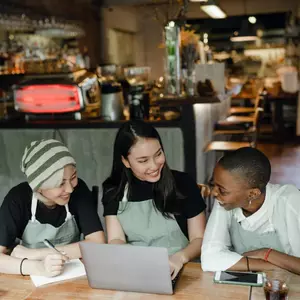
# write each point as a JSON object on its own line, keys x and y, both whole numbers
{"x": 51, "y": 246}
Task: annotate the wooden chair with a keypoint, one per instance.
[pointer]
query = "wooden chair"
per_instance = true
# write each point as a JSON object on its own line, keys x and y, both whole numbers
{"x": 234, "y": 145}
{"x": 95, "y": 195}
{"x": 249, "y": 110}
{"x": 246, "y": 120}
{"x": 206, "y": 195}
{"x": 243, "y": 130}
{"x": 205, "y": 190}
{"x": 236, "y": 120}
{"x": 239, "y": 120}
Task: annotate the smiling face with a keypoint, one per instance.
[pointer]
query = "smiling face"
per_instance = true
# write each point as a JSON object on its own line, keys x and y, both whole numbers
{"x": 146, "y": 159}
{"x": 230, "y": 190}
{"x": 61, "y": 195}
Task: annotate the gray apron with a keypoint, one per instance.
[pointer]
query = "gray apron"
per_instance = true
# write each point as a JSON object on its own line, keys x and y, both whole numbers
{"x": 144, "y": 225}
{"x": 35, "y": 232}
{"x": 243, "y": 240}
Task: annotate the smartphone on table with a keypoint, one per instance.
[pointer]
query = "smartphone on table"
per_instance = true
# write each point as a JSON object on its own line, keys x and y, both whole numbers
{"x": 239, "y": 278}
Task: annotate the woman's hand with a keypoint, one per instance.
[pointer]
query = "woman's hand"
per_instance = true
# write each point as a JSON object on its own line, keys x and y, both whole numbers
{"x": 176, "y": 262}
{"x": 257, "y": 254}
{"x": 23, "y": 252}
{"x": 52, "y": 265}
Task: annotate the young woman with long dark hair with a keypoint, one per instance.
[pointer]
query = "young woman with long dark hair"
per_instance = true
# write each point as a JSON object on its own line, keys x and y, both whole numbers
{"x": 146, "y": 203}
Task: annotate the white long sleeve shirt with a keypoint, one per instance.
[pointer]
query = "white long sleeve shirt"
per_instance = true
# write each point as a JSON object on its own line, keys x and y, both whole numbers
{"x": 280, "y": 212}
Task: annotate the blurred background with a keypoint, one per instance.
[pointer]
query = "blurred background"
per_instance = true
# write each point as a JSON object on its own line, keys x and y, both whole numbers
{"x": 204, "y": 72}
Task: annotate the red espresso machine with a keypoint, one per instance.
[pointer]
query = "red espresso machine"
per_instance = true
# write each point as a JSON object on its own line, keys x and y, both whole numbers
{"x": 60, "y": 96}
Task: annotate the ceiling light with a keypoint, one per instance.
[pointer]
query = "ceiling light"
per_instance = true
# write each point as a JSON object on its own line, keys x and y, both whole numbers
{"x": 252, "y": 20}
{"x": 213, "y": 11}
{"x": 249, "y": 38}
{"x": 247, "y": 33}
{"x": 172, "y": 24}
{"x": 203, "y": 1}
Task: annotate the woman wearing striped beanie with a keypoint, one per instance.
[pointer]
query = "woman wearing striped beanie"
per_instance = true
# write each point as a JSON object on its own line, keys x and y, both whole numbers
{"x": 53, "y": 204}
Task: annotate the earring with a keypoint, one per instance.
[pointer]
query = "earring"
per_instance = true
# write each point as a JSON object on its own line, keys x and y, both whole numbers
{"x": 250, "y": 202}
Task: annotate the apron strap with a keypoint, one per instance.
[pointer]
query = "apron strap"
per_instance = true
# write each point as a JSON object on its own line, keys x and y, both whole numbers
{"x": 68, "y": 215}
{"x": 124, "y": 199}
{"x": 34, "y": 202}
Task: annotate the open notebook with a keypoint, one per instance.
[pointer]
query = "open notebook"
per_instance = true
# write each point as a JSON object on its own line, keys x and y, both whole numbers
{"x": 74, "y": 268}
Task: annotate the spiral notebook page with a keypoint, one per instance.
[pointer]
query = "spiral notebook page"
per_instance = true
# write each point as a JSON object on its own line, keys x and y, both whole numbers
{"x": 74, "y": 268}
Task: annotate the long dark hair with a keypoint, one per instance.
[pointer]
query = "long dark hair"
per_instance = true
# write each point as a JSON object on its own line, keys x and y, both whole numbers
{"x": 166, "y": 196}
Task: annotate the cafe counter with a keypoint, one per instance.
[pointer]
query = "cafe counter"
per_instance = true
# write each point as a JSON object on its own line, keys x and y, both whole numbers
{"x": 91, "y": 143}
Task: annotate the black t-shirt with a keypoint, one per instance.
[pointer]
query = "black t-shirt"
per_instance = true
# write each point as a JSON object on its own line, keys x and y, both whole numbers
{"x": 15, "y": 212}
{"x": 191, "y": 206}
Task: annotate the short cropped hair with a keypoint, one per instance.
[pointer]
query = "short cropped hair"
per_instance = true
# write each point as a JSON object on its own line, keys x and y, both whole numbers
{"x": 250, "y": 164}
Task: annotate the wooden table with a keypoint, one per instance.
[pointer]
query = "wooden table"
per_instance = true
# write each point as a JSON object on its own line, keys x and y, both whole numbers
{"x": 277, "y": 102}
{"x": 193, "y": 284}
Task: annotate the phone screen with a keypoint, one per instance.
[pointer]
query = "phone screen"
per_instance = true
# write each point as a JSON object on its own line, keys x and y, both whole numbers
{"x": 238, "y": 277}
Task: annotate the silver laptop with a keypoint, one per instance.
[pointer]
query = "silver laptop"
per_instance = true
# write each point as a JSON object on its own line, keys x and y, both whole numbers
{"x": 127, "y": 268}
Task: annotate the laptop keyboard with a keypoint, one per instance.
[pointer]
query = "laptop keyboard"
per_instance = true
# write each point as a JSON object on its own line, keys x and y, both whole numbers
{"x": 174, "y": 281}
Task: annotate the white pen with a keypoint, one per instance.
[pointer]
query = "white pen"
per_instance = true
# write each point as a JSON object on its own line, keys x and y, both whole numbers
{"x": 51, "y": 246}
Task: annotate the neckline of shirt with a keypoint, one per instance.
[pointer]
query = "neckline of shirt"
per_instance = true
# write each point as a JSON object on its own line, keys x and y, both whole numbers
{"x": 264, "y": 209}
{"x": 137, "y": 181}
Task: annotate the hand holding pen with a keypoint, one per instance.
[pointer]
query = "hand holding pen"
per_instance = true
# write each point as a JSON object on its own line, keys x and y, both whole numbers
{"x": 51, "y": 246}
{"x": 53, "y": 264}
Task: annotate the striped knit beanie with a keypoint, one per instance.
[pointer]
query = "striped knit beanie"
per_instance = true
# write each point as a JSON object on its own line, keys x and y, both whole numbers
{"x": 43, "y": 163}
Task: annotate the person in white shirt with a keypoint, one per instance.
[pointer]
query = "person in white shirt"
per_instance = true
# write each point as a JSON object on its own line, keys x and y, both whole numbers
{"x": 254, "y": 225}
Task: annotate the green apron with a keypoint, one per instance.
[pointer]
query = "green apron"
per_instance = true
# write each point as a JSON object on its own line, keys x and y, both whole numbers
{"x": 144, "y": 225}
{"x": 243, "y": 240}
{"x": 35, "y": 232}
